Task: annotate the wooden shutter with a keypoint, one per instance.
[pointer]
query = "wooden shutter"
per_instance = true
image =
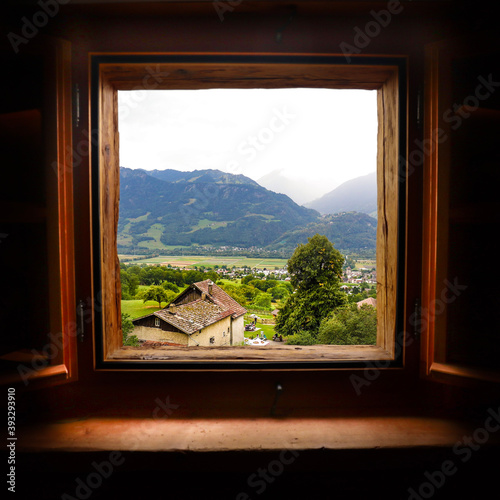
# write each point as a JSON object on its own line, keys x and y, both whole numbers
{"x": 461, "y": 211}
{"x": 39, "y": 334}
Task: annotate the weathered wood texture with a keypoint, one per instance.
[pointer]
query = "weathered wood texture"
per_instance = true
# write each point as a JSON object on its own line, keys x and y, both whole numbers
{"x": 238, "y": 75}
{"x": 387, "y": 207}
{"x": 248, "y": 353}
{"x": 244, "y": 75}
{"x": 109, "y": 178}
{"x": 150, "y": 322}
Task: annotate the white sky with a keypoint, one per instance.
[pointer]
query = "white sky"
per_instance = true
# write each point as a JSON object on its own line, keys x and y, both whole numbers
{"x": 319, "y": 138}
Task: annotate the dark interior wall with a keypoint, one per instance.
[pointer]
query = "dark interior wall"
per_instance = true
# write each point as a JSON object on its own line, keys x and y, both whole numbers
{"x": 250, "y": 28}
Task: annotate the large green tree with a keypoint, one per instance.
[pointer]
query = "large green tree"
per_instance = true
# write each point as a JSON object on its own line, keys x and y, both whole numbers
{"x": 316, "y": 271}
{"x": 156, "y": 293}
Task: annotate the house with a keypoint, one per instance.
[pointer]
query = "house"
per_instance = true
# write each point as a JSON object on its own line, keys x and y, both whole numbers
{"x": 370, "y": 301}
{"x": 202, "y": 315}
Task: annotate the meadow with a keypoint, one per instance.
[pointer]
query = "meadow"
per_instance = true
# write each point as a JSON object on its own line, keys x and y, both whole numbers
{"x": 209, "y": 261}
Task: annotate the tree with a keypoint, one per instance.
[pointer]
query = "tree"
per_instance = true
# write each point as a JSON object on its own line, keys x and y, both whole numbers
{"x": 235, "y": 292}
{"x": 262, "y": 301}
{"x": 315, "y": 264}
{"x": 316, "y": 270}
{"x": 129, "y": 282}
{"x": 350, "y": 325}
{"x": 279, "y": 292}
{"x": 127, "y": 328}
{"x": 158, "y": 294}
{"x": 170, "y": 286}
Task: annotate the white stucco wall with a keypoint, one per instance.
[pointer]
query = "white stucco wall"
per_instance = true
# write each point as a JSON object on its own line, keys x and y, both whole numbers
{"x": 238, "y": 330}
{"x": 220, "y": 331}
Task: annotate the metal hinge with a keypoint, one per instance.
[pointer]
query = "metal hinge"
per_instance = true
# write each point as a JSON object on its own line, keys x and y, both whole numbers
{"x": 76, "y": 105}
{"x": 417, "y": 318}
{"x": 80, "y": 313}
{"x": 420, "y": 109}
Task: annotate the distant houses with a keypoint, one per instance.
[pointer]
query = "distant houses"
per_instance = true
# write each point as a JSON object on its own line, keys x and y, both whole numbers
{"x": 370, "y": 301}
{"x": 202, "y": 315}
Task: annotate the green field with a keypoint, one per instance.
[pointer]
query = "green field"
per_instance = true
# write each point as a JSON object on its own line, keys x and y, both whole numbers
{"x": 210, "y": 261}
{"x": 137, "y": 308}
{"x": 368, "y": 263}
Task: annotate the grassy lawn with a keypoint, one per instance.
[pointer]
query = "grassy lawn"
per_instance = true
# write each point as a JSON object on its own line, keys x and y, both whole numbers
{"x": 268, "y": 330}
{"x": 137, "y": 308}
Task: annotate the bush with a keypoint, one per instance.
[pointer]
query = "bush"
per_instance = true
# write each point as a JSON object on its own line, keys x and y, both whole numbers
{"x": 127, "y": 328}
{"x": 350, "y": 325}
{"x": 301, "y": 338}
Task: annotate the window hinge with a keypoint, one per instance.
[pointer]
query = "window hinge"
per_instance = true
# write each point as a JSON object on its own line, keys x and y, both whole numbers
{"x": 417, "y": 319}
{"x": 420, "y": 109}
{"x": 76, "y": 105}
{"x": 80, "y": 314}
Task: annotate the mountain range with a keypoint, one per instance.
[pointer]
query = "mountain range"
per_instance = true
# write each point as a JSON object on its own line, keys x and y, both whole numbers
{"x": 164, "y": 208}
{"x": 359, "y": 194}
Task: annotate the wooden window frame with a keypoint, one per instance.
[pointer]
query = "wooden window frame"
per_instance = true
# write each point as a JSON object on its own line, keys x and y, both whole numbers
{"x": 386, "y": 74}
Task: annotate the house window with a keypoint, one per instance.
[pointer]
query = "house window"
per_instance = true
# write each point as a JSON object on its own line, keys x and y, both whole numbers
{"x": 157, "y": 322}
{"x": 386, "y": 75}
{"x": 212, "y": 340}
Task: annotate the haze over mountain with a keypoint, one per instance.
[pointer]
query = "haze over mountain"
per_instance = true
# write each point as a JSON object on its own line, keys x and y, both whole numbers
{"x": 300, "y": 190}
{"x": 165, "y": 208}
{"x": 359, "y": 194}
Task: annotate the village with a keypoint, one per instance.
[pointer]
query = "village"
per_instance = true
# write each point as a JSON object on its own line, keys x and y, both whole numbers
{"x": 209, "y": 313}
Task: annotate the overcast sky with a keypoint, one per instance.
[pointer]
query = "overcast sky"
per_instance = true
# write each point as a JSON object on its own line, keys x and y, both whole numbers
{"x": 317, "y": 137}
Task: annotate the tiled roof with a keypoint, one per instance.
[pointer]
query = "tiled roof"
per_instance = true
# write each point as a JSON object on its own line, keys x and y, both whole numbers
{"x": 192, "y": 316}
{"x": 369, "y": 301}
{"x": 221, "y": 298}
{"x": 199, "y": 313}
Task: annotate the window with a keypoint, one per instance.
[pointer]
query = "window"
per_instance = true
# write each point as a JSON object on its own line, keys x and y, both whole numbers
{"x": 387, "y": 75}
{"x": 157, "y": 322}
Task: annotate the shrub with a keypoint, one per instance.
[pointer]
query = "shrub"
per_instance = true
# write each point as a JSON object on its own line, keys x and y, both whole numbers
{"x": 301, "y": 338}
{"x": 127, "y": 328}
{"x": 350, "y": 325}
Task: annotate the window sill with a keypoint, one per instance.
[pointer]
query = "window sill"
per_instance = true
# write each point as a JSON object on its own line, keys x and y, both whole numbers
{"x": 260, "y": 354}
{"x": 205, "y": 435}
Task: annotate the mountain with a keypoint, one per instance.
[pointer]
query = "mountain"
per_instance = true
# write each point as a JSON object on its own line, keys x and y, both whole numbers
{"x": 359, "y": 194}
{"x": 205, "y": 207}
{"x": 348, "y": 231}
{"x": 208, "y": 175}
